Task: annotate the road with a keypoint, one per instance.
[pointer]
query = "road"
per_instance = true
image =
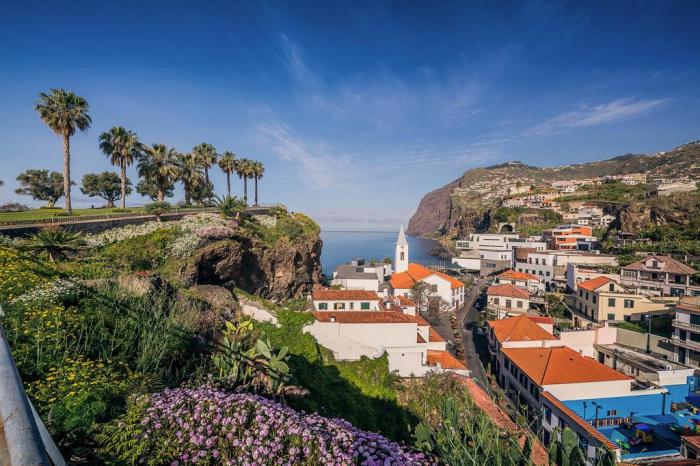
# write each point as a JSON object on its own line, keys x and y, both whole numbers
{"x": 468, "y": 316}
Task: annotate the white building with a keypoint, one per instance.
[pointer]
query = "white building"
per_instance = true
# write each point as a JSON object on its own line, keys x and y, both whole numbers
{"x": 523, "y": 280}
{"x": 487, "y": 241}
{"x": 361, "y": 275}
{"x": 401, "y": 252}
{"x": 507, "y": 300}
{"x": 345, "y": 300}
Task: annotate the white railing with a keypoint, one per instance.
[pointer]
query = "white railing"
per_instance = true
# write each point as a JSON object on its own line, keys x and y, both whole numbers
{"x": 685, "y": 343}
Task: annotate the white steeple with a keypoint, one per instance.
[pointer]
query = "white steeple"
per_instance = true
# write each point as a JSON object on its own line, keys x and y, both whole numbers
{"x": 401, "y": 253}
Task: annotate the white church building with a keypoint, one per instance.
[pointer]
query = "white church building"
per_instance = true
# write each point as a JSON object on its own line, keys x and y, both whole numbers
{"x": 407, "y": 274}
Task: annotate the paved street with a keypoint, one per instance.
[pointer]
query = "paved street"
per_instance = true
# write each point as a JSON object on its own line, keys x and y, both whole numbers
{"x": 468, "y": 316}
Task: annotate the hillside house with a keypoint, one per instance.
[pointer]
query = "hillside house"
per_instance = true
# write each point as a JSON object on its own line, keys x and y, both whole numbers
{"x": 659, "y": 275}
{"x": 602, "y": 299}
{"x": 507, "y": 300}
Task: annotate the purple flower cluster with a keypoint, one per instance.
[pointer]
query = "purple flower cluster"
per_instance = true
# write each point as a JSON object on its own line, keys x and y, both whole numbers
{"x": 208, "y": 426}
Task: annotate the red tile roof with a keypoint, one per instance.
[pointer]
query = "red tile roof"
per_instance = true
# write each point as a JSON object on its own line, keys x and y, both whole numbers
{"x": 594, "y": 283}
{"x": 670, "y": 265}
{"x": 445, "y": 359}
{"x": 541, "y": 319}
{"x": 434, "y": 336}
{"x": 507, "y": 290}
{"x": 560, "y": 365}
{"x": 520, "y": 328}
{"x": 344, "y": 295}
{"x": 364, "y": 317}
{"x": 515, "y": 275}
{"x": 417, "y": 272}
{"x": 580, "y": 422}
{"x": 404, "y": 301}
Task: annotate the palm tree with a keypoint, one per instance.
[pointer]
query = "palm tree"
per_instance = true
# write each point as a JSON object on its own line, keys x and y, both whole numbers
{"x": 190, "y": 174}
{"x": 257, "y": 171}
{"x": 227, "y": 163}
{"x": 244, "y": 171}
{"x": 123, "y": 147}
{"x": 64, "y": 112}
{"x": 159, "y": 165}
{"x": 206, "y": 156}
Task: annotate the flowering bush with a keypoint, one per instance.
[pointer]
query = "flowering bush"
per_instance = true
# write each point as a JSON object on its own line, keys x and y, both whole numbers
{"x": 206, "y": 426}
{"x": 57, "y": 292}
{"x": 215, "y": 232}
{"x": 79, "y": 393}
{"x": 18, "y": 274}
{"x": 266, "y": 220}
{"x": 184, "y": 245}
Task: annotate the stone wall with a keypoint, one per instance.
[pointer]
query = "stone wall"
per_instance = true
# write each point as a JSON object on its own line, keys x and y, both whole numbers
{"x": 658, "y": 344}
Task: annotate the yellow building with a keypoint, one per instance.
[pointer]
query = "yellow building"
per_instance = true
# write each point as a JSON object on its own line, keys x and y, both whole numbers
{"x": 603, "y": 299}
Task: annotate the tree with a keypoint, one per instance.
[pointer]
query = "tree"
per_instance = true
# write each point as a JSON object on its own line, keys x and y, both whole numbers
{"x": 257, "y": 170}
{"x": 206, "y": 155}
{"x": 202, "y": 193}
{"x": 41, "y": 185}
{"x": 190, "y": 174}
{"x": 229, "y": 206}
{"x": 64, "y": 112}
{"x": 123, "y": 147}
{"x": 157, "y": 208}
{"x": 106, "y": 185}
{"x": 244, "y": 169}
{"x": 147, "y": 189}
{"x": 227, "y": 163}
{"x": 159, "y": 165}
{"x": 55, "y": 241}
{"x": 420, "y": 293}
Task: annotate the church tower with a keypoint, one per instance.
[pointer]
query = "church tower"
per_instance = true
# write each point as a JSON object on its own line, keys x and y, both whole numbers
{"x": 401, "y": 253}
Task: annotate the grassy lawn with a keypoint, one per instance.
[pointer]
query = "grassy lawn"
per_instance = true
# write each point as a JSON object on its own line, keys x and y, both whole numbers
{"x": 45, "y": 213}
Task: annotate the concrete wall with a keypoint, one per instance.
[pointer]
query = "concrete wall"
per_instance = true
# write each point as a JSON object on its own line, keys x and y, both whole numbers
{"x": 349, "y": 305}
{"x": 639, "y": 340}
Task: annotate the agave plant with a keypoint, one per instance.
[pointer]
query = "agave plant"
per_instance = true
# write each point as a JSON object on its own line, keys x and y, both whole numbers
{"x": 229, "y": 206}
{"x": 55, "y": 241}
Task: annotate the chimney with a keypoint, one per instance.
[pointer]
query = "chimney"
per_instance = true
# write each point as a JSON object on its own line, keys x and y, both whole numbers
{"x": 332, "y": 318}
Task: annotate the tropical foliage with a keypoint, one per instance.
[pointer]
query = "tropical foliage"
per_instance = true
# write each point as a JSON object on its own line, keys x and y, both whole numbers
{"x": 41, "y": 185}
{"x": 123, "y": 147}
{"x": 54, "y": 241}
{"x": 64, "y": 112}
{"x": 106, "y": 185}
{"x": 159, "y": 166}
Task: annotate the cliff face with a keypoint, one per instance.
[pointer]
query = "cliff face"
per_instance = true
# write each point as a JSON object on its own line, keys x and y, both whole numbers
{"x": 679, "y": 210}
{"x": 463, "y": 205}
{"x": 285, "y": 270}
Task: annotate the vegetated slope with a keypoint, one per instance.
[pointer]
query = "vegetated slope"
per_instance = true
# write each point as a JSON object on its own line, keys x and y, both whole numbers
{"x": 461, "y": 205}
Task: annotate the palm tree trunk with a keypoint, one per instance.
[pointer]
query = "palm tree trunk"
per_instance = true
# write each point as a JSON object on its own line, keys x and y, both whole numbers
{"x": 206, "y": 173}
{"x": 245, "y": 190}
{"x": 228, "y": 184}
{"x": 66, "y": 172}
{"x": 256, "y": 190}
{"x": 188, "y": 196}
{"x": 123, "y": 203}
{"x": 161, "y": 195}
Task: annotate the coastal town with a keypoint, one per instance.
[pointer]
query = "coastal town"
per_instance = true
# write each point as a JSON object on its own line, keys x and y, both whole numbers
{"x": 556, "y": 332}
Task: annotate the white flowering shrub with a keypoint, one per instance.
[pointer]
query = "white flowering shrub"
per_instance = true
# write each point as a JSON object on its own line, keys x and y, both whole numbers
{"x": 266, "y": 220}
{"x": 184, "y": 245}
{"x": 54, "y": 292}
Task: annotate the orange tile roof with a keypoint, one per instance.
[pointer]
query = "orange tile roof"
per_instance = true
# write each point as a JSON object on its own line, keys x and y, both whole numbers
{"x": 446, "y": 360}
{"x": 417, "y": 272}
{"x": 580, "y": 422}
{"x": 515, "y": 275}
{"x": 560, "y": 365}
{"x": 434, "y": 336}
{"x": 670, "y": 265}
{"x": 520, "y": 328}
{"x": 594, "y": 283}
{"x": 507, "y": 290}
{"x": 541, "y": 319}
{"x": 420, "y": 339}
{"x": 693, "y": 440}
{"x": 344, "y": 295}
{"x": 404, "y": 301}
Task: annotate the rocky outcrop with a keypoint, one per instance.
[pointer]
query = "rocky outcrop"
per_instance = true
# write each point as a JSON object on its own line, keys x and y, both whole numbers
{"x": 285, "y": 270}
{"x": 434, "y": 212}
{"x": 678, "y": 210}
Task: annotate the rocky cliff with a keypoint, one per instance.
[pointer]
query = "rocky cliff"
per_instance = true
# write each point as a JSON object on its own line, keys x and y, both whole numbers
{"x": 463, "y": 205}
{"x": 680, "y": 210}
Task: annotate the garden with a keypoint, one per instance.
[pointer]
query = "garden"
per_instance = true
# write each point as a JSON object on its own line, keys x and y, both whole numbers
{"x": 152, "y": 374}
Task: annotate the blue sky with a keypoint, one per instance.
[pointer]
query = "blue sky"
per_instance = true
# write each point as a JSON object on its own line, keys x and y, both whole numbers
{"x": 357, "y": 109}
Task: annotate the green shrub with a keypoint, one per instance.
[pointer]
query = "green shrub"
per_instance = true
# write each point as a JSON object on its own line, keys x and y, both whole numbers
{"x": 146, "y": 252}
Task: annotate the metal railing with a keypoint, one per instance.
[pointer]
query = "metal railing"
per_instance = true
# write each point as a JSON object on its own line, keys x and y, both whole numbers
{"x": 27, "y": 440}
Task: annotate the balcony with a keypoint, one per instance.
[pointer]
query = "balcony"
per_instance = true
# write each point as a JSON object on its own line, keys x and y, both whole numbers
{"x": 693, "y": 345}
{"x": 686, "y": 325}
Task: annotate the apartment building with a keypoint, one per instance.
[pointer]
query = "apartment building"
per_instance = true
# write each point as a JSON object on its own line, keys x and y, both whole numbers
{"x": 602, "y": 299}
{"x": 570, "y": 237}
{"x": 488, "y": 241}
{"x": 345, "y": 300}
{"x": 686, "y": 330}
{"x": 659, "y": 275}
{"x": 507, "y": 300}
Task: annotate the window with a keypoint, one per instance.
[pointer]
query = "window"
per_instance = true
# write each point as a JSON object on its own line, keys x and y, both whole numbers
{"x": 338, "y": 306}
{"x": 364, "y": 306}
{"x": 519, "y": 304}
{"x": 548, "y": 414}
{"x": 612, "y": 413}
{"x": 611, "y": 316}
{"x": 629, "y": 304}
{"x": 322, "y": 306}
{"x": 586, "y": 295}
{"x": 611, "y": 302}
{"x": 352, "y": 305}
{"x": 496, "y": 301}
{"x": 508, "y": 303}
{"x": 547, "y": 273}
{"x": 611, "y": 287}
{"x": 402, "y": 255}
{"x": 595, "y": 299}
{"x": 544, "y": 261}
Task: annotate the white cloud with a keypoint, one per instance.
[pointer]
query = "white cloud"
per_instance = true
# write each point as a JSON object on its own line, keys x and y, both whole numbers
{"x": 317, "y": 164}
{"x": 592, "y": 116}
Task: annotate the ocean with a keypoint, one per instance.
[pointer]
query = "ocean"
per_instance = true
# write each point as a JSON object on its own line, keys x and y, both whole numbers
{"x": 339, "y": 247}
